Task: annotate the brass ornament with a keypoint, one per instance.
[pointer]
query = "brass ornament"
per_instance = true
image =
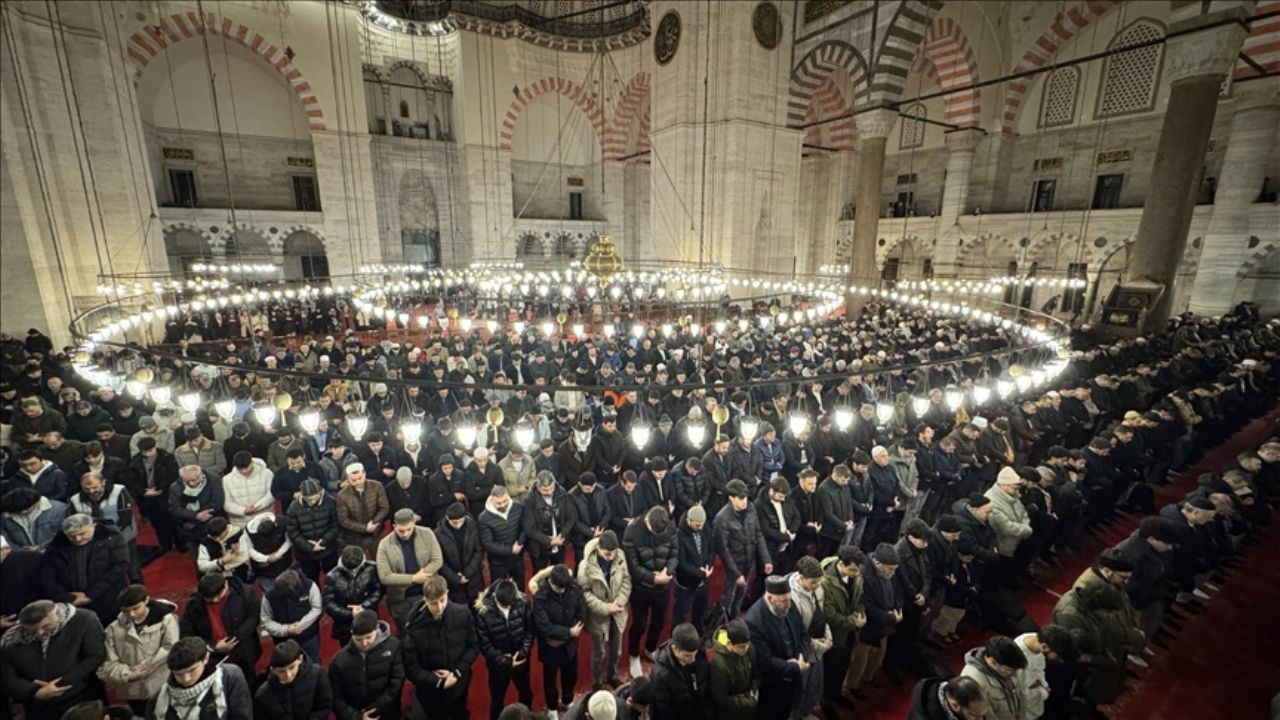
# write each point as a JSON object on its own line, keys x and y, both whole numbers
{"x": 283, "y": 401}
{"x": 603, "y": 260}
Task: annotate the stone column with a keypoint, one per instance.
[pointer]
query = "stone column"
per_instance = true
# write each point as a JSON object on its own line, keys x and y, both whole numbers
{"x": 873, "y": 133}
{"x": 961, "y": 145}
{"x": 1226, "y": 244}
{"x": 1197, "y": 64}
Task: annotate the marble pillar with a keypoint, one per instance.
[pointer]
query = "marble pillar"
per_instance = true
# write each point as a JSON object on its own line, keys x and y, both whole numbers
{"x": 1196, "y": 64}
{"x": 961, "y": 145}
{"x": 1226, "y": 244}
{"x": 873, "y": 133}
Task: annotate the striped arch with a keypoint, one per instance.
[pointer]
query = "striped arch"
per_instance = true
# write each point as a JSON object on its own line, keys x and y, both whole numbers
{"x": 985, "y": 239}
{"x": 921, "y": 248}
{"x": 817, "y": 66}
{"x": 835, "y": 136}
{"x": 948, "y": 60}
{"x": 146, "y": 44}
{"x": 567, "y": 88}
{"x": 898, "y": 51}
{"x": 1042, "y": 50}
{"x": 410, "y": 65}
{"x": 203, "y": 232}
{"x": 628, "y": 132}
{"x": 1263, "y": 43}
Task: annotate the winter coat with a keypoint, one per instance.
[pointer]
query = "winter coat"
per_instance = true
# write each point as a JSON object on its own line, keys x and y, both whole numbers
{"x": 679, "y": 692}
{"x": 49, "y": 481}
{"x": 589, "y": 510}
{"x": 106, "y": 571}
{"x": 927, "y": 702}
{"x": 235, "y": 690}
{"x": 499, "y": 532}
{"x": 46, "y": 526}
{"x": 648, "y": 552}
{"x": 886, "y": 489}
{"x": 775, "y": 534}
{"x": 1103, "y": 676}
{"x": 879, "y": 599}
{"x": 74, "y": 653}
{"x": 541, "y": 521}
{"x": 975, "y": 530}
{"x": 555, "y": 613}
{"x": 653, "y": 493}
{"x": 461, "y": 558}
{"x": 914, "y": 575}
{"x": 477, "y": 483}
{"x": 841, "y": 605}
{"x": 344, "y": 588}
{"x": 835, "y": 502}
{"x": 689, "y": 562}
{"x": 210, "y": 457}
{"x": 598, "y": 593}
{"x": 164, "y": 472}
{"x": 361, "y": 680}
{"x": 391, "y": 565}
{"x": 689, "y": 489}
{"x": 1009, "y": 519}
{"x": 308, "y": 697}
{"x": 445, "y": 643}
{"x": 128, "y": 647}
{"x": 731, "y": 680}
{"x": 500, "y": 636}
{"x": 240, "y": 613}
{"x": 304, "y": 523}
{"x": 775, "y": 641}
{"x": 355, "y": 509}
{"x": 240, "y": 491}
{"x": 1152, "y": 579}
{"x": 739, "y": 542}
{"x": 519, "y": 482}
{"x": 1003, "y": 697}
{"x": 1121, "y": 627}
{"x": 623, "y": 507}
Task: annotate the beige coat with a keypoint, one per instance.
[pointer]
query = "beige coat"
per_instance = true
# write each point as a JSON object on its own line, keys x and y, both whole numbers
{"x": 391, "y": 560}
{"x": 599, "y": 594}
{"x": 128, "y": 648}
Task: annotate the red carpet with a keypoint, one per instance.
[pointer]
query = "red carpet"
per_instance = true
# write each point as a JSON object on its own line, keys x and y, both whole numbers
{"x": 1224, "y": 663}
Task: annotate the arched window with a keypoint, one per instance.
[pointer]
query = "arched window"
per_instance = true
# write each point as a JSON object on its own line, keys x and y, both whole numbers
{"x": 1058, "y": 105}
{"x": 1129, "y": 84}
{"x": 404, "y": 108}
{"x": 912, "y": 127}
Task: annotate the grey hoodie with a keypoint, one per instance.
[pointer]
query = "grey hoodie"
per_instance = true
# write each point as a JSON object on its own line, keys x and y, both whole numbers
{"x": 1002, "y": 694}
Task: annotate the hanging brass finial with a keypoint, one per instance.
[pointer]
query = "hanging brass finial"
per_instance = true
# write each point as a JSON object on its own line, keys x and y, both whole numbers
{"x": 602, "y": 259}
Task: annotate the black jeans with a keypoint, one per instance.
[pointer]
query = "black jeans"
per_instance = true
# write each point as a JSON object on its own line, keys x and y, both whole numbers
{"x": 558, "y": 661}
{"x": 313, "y": 566}
{"x": 512, "y": 567}
{"x": 648, "y": 610}
{"x": 156, "y": 512}
{"x": 500, "y": 678}
{"x": 686, "y": 599}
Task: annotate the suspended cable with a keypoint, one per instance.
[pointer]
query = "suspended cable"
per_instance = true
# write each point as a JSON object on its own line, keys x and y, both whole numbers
{"x": 342, "y": 160}
{"x": 217, "y": 119}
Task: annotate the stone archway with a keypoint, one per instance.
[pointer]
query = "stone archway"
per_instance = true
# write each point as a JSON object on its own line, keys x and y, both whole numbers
{"x": 304, "y": 254}
{"x": 185, "y": 245}
{"x": 551, "y": 85}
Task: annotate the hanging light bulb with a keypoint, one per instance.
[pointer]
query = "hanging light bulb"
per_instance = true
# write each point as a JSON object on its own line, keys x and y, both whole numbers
{"x": 884, "y": 411}
{"x": 161, "y": 394}
{"x": 697, "y": 433}
{"x": 953, "y": 397}
{"x": 1038, "y": 377}
{"x": 548, "y": 328}
{"x": 748, "y": 428}
{"x": 411, "y": 431}
{"x": 1003, "y": 388}
{"x": 466, "y": 435}
{"x": 843, "y": 417}
{"x": 637, "y": 331}
{"x": 608, "y": 330}
{"x": 422, "y": 321}
{"x": 720, "y": 325}
{"x": 518, "y": 326}
{"x": 465, "y": 324}
{"x": 309, "y": 419}
{"x": 357, "y": 425}
{"x": 136, "y": 388}
{"x": 265, "y": 413}
{"x": 492, "y": 326}
{"x": 797, "y": 423}
{"x": 189, "y": 401}
{"x": 666, "y": 329}
{"x": 524, "y": 435}
{"x": 920, "y": 405}
{"x": 640, "y": 432}
{"x": 1023, "y": 382}
{"x": 578, "y": 329}
{"x": 981, "y": 394}
{"x": 226, "y": 409}
{"x": 743, "y": 325}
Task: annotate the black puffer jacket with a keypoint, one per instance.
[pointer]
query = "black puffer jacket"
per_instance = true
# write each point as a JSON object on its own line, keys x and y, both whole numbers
{"x": 461, "y": 557}
{"x": 305, "y": 523}
{"x": 498, "y": 534}
{"x": 739, "y": 542}
{"x": 690, "y": 490}
{"x": 679, "y": 692}
{"x": 501, "y": 636}
{"x": 648, "y": 552}
{"x": 308, "y": 697}
{"x": 540, "y": 520}
{"x": 446, "y": 643}
{"x": 555, "y": 614}
{"x": 344, "y": 588}
{"x": 370, "y": 679}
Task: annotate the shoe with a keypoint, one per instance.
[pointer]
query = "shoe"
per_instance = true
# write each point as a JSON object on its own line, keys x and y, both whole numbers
{"x": 597, "y": 687}
{"x": 1200, "y": 594}
{"x": 1148, "y": 652}
{"x": 636, "y": 670}
{"x": 1139, "y": 662}
{"x": 1211, "y": 587}
{"x": 553, "y": 715}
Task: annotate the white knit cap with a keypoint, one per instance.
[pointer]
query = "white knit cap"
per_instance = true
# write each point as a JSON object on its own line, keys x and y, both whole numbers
{"x": 1008, "y": 476}
{"x": 602, "y": 706}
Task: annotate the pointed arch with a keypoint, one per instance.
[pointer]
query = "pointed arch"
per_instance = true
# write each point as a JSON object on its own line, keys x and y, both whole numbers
{"x": 897, "y": 51}
{"x": 628, "y": 132}
{"x": 948, "y": 60}
{"x": 572, "y": 90}
{"x": 146, "y": 44}
{"x": 815, "y": 67}
{"x": 829, "y": 102}
{"x": 1262, "y": 46}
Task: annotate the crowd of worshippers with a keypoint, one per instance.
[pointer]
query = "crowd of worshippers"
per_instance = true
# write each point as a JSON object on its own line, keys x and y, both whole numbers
{"x": 786, "y": 570}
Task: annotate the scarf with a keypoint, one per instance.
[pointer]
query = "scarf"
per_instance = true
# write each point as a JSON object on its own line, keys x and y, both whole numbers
{"x": 21, "y": 635}
{"x": 185, "y": 702}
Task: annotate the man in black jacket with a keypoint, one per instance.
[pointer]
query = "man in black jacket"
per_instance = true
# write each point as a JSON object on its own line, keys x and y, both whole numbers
{"x": 502, "y": 535}
{"x": 608, "y": 450}
{"x": 296, "y": 688}
{"x": 559, "y": 614}
{"x": 237, "y": 606}
{"x": 48, "y": 660}
{"x": 366, "y": 675}
{"x": 87, "y": 565}
{"x": 505, "y": 630}
{"x": 740, "y": 544}
{"x": 312, "y": 527}
{"x": 807, "y": 503}
{"x": 779, "y": 522}
{"x": 650, "y": 548}
{"x": 690, "y": 486}
{"x": 198, "y": 687}
{"x": 625, "y": 502}
{"x": 463, "y": 567}
{"x": 782, "y": 647}
{"x": 150, "y": 474}
{"x": 883, "y": 609}
{"x": 835, "y": 501}
{"x": 547, "y": 520}
{"x": 591, "y": 514}
{"x": 440, "y": 647}
{"x": 350, "y": 588}
{"x": 679, "y": 685}
{"x": 193, "y": 502}
{"x": 696, "y": 559}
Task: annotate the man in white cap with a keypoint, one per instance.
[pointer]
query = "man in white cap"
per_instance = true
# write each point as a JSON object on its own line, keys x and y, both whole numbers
{"x": 599, "y": 705}
{"x": 362, "y": 508}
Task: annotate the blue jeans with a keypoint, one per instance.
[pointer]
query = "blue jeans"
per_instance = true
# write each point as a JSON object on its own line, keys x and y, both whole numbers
{"x": 686, "y": 599}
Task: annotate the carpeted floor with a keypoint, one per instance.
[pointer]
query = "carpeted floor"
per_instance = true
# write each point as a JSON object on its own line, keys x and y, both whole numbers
{"x": 1224, "y": 663}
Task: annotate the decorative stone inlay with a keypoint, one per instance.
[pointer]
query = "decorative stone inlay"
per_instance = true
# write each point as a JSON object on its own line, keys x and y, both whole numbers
{"x": 1208, "y": 52}
{"x": 875, "y": 124}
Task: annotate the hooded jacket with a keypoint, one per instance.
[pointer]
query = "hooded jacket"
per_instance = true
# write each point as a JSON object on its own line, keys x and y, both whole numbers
{"x": 445, "y": 643}
{"x": 598, "y": 592}
{"x": 1003, "y": 695}
{"x": 732, "y": 681}
{"x": 129, "y": 646}
{"x": 308, "y": 697}
{"x": 38, "y": 529}
{"x": 502, "y": 635}
{"x": 499, "y": 531}
{"x": 679, "y": 692}
{"x": 460, "y": 551}
{"x": 50, "y": 481}
{"x": 908, "y": 473}
{"x": 841, "y": 605}
{"x": 739, "y": 542}
{"x": 240, "y": 491}
{"x": 367, "y": 679}
{"x": 555, "y": 613}
{"x": 1008, "y": 519}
